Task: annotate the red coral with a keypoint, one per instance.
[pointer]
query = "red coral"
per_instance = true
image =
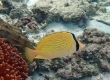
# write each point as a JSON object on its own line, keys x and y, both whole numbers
{"x": 12, "y": 65}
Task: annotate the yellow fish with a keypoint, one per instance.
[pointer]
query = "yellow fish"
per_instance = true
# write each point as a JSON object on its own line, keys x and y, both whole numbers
{"x": 55, "y": 45}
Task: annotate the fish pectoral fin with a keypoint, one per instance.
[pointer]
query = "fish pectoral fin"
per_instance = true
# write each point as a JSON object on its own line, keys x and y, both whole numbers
{"x": 40, "y": 57}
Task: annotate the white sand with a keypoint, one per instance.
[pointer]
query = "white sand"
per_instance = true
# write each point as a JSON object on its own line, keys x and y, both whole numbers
{"x": 100, "y": 26}
{"x": 30, "y": 3}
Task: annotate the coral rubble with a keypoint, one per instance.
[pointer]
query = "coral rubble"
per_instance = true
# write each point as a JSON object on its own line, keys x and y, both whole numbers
{"x": 6, "y": 6}
{"x": 103, "y": 12}
{"x": 19, "y": 12}
{"x": 12, "y": 65}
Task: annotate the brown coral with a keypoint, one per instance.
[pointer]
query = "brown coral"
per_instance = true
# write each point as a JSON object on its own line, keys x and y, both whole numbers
{"x": 12, "y": 65}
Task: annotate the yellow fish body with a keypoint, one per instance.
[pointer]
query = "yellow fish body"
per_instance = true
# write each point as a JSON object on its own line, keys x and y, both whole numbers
{"x": 58, "y": 44}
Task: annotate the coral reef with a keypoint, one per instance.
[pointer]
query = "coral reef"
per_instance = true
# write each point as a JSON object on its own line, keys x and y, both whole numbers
{"x": 22, "y": 1}
{"x": 91, "y": 60}
{"x": 11, "y": 11}
{"x": 6, "y": 6}
{"x": 103, "y": 16}
{"x": 3, "y": 10}
{"x": 103, "y": 12}
{"x": 62, "y": 10}
{"x": 27, "y": 25}
{"x": 20, "y": 12}
{"x": 12, "y": 65}
{"x": 104, "y": 3}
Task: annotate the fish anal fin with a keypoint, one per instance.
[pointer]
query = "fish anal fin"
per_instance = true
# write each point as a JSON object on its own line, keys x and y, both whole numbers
{"x": 40, "y": 57}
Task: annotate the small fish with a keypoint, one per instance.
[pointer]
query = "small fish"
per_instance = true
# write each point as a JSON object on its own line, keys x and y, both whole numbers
{"x": 55, "y": 45}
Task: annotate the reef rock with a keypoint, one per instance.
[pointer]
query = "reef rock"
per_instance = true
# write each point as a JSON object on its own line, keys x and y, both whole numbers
{"x": 103, "y": 17}
{"x": 103, "y": 12}
{"x": 3, "y": 10}
{"x": 103, "y": 2}
{"x": 6, "y": 6}
{"x": 93, "y": 59}
{"x": 22, "y": 1}
{"x": 19, "y": 11}
{"x": 66, "y": 10}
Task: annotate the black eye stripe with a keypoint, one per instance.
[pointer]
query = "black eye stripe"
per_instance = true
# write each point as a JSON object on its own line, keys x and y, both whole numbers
{"x": 77, "y": 44}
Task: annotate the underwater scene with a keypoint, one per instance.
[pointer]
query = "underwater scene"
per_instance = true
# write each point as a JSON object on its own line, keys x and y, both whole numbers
{"x": 54, "y": 39}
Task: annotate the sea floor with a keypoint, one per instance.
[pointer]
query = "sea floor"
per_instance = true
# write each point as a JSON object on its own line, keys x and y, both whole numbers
{"x": 63, "y": 26}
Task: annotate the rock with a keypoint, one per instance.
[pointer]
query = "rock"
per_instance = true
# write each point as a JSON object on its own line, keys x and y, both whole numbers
{"x": 3, "y": 10}
{"x": 104, "y": 3}
{"x": 22, "y": 1}
{"x": 103, "y": 12}
{"x": 20, "y": 12}
{"x": 103, "y": 17}
{"x": 20, "y": 9}
{"x": 6, "y": 6}
{"x": 57, "y": 10}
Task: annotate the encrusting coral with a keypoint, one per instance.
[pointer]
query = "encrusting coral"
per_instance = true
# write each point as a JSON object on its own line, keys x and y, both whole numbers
{"x": 12, "y": 65}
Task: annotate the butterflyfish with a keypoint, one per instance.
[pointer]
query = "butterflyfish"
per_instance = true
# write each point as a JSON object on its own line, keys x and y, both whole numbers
{"x": 55, "y": 45}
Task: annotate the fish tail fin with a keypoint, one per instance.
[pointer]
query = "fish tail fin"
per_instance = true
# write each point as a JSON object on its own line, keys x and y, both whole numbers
{"x": 81, "y": 45}
{"x": 30, "y": 54}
